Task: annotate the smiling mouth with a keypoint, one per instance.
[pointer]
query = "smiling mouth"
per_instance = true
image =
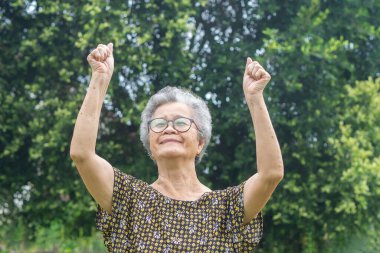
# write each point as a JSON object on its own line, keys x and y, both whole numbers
{"x": 169, "y": 141}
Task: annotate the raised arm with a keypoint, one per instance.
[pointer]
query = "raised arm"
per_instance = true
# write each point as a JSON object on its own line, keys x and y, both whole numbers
{"x": 270, "y": 169}
{"x": 96, "y": 173}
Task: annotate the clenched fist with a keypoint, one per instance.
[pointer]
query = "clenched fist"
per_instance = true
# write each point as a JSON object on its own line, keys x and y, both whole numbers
{"x": 255, "y": 78}
{"x": 101, "y": 60}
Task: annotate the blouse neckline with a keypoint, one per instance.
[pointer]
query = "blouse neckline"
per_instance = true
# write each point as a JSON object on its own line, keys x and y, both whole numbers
{"x": 177, "y": 200}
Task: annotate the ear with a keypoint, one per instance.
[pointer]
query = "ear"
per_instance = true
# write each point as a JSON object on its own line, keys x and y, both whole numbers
{"x": 201, "y": 144}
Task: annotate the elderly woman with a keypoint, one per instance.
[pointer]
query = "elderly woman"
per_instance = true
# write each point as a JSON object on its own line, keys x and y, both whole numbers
{"x": 176, "y": 213}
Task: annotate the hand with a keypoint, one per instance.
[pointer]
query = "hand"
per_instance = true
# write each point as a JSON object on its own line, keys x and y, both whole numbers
{"x": 101, "y": 60}
{"x": 255, "y": 78}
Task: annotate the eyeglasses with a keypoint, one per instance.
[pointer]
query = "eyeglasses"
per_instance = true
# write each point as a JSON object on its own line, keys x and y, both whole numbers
{"x": 180, "y": 124}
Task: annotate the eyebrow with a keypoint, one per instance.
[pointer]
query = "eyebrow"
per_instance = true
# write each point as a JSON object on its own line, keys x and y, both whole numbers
{"x": 175, "y": 116}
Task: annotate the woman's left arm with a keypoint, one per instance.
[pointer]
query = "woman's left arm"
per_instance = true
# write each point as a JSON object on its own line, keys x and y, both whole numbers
{"x": 270, "y": 169}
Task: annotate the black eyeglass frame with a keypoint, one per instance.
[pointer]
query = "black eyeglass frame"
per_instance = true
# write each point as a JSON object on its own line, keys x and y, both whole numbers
{"x": 167, "y": 124}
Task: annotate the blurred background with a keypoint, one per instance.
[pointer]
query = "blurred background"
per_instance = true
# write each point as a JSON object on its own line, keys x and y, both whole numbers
{"x": 324, "y": 102}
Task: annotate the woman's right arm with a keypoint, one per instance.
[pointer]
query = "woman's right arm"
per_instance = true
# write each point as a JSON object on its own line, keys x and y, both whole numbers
{"x": 96, "y": 173}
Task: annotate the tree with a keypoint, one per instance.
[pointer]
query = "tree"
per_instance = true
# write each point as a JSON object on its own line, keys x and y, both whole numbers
{"x": 313, "y": 49}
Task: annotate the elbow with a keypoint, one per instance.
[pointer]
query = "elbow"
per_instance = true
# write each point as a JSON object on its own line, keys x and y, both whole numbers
{"x": 278, "y": 171}
{"x": 279, "y": 174}
{"x": 78, "y": 153}
{"x": 75, "y": 153}
{"x": 75, "y": 156}
{"x": 78, "y": 156}
{"x": 275, "y": 175}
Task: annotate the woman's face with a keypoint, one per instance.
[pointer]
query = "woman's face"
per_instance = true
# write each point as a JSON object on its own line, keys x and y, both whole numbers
{"x": 171, "y": 143}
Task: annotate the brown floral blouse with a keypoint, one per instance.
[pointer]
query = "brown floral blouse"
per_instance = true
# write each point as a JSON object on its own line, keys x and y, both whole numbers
{"x": 144, "y": 220}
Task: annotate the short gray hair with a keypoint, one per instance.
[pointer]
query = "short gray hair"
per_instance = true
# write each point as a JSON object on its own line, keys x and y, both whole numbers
{"x": 200, "y": 113}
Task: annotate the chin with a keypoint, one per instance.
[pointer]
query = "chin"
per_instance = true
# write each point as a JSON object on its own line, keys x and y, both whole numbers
{"x": 171, "y": 154}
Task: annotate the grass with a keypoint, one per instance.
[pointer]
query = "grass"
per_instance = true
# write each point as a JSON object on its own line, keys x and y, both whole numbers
{"x": 49, "y": 240}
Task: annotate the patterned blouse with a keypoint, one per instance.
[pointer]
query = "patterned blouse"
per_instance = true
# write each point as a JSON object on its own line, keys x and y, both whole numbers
{"x": 144, "y": 220}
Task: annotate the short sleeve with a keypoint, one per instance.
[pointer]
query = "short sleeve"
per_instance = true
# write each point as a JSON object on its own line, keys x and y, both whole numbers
{"x": 245, "y": 237}
{"x": 116, "y": 224}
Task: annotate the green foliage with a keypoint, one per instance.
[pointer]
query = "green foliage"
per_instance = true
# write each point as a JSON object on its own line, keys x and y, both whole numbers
{"x": 49, "y": 239}
{"x": 357, "y": 154}
{"x": 325, "y": 116}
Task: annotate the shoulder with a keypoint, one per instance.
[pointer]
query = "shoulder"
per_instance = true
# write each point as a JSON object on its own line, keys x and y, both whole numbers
{"x": 124, "y": 181}
{"x": 231, "y": 191}
{"x": 205, "y": 189}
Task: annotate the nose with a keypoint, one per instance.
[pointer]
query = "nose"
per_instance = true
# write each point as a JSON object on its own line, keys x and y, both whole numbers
{"x": 170, "y": 128}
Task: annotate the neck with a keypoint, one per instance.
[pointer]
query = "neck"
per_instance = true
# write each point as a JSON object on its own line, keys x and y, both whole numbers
{"x": 178, "y": 179}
